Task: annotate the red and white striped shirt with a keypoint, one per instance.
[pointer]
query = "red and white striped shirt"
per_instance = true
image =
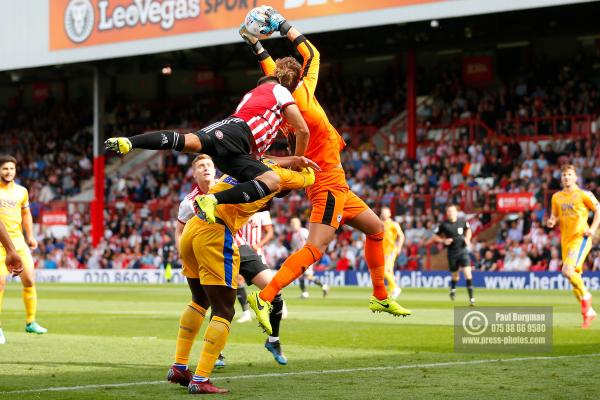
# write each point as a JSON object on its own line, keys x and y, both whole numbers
{"x": 251, "y": 233}
{"x": 262, "y": 109}
{"x": 298, "y": 239}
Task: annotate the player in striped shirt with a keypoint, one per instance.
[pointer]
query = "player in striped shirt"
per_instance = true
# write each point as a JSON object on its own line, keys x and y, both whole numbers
{"x": 235, "y": 144}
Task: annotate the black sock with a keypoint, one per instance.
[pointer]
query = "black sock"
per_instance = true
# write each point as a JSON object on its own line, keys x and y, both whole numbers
{"x": 275, "y": 316}
{"x": 302, "y": 284}
{"x": 245, "y": 192}
{"x": 317, "y": 282}
{"x": 453, "y": 284}
{"x": 243, "y": 298}
{"x": 159, "y": 140}
{"x": 470, "y": 288}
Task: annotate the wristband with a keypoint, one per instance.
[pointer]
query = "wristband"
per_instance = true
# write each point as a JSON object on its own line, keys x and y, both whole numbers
{"x": 284, "y": 28}
{"x": 257, "y": 47}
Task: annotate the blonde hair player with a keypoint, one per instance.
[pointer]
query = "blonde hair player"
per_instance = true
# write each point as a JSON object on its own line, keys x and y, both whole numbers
{"x": 16, "y": 216}
{"x": 393, "y": 239}
{"x": 570, "y": 209}
{"x": 211, "y": 262}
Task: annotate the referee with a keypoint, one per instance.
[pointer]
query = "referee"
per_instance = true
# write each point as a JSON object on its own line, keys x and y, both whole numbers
{"x": 455, "y": 234}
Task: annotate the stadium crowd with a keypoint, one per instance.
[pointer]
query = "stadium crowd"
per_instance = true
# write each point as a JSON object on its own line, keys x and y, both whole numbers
{"x": 548, "y": 89}
{"x": 140, "y": 234}
{"x": 139, "y": 221}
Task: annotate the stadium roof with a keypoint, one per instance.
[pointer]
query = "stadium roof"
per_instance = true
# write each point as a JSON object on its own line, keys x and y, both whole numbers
{"x": 42, "y": 32}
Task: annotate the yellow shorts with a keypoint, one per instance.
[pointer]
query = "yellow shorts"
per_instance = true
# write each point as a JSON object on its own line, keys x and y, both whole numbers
{"x": 575, "y": 252}
{"x": 25, "y": 255}
{"x": 208, "y": 252}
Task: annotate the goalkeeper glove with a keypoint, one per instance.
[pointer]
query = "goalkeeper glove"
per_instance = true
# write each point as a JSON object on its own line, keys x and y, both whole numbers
{"x": 277, "y": 22}
{"x": 250, "y": 39}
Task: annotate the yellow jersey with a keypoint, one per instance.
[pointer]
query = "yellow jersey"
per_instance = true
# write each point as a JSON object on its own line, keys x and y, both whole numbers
{"x": 391, "y": 231}
{"x": 236, "y": 215}
{"x": 13, "y": 199}
{"x": 572, "y": 209}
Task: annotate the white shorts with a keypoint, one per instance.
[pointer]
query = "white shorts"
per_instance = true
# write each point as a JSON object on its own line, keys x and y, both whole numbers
{"x": 309, "y": 271}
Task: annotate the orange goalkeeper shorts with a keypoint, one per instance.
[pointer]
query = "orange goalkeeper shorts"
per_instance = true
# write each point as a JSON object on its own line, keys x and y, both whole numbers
{"x": 333, "y": 203}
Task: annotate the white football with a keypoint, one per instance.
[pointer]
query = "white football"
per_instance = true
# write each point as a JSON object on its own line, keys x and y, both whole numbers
{"x": 253, "y": 26}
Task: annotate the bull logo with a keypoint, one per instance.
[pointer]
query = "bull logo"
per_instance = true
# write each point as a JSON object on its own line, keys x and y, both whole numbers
{"x": 79, "y": 20}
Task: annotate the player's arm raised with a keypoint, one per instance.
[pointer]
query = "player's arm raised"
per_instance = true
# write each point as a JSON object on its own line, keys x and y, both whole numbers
{"x": 309, "y": 53}
{"x": 12, "y": 260}
{"x": 264, "y": 59}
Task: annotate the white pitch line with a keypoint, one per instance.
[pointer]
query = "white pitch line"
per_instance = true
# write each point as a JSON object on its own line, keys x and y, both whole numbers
{"x": 321, "y": 372}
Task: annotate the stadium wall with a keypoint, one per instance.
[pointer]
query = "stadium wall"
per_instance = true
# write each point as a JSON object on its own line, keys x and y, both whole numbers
{"x": 412, "y": 279}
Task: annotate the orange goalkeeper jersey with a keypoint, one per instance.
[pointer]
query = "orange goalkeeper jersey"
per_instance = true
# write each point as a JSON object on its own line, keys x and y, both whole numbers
{"x": 325, "y": 142}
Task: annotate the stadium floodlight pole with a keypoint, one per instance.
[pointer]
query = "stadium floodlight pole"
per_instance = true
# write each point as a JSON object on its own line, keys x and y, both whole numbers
{"x": 97, "y": 206}
{"x": 411, "y": 105}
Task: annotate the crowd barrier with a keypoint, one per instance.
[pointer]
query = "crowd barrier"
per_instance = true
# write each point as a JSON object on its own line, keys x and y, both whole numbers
{"x": 412, "y": 279}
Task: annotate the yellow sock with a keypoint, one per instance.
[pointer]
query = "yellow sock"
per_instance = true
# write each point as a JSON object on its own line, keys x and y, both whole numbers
{"x": 391, "y": 281}
{"x": 169, "y": 272}
{"x": 30, "y": 300}
{"x": 215, "y": 338}
{"x": 189, "y": 325}
{"x": 578, "y": 286}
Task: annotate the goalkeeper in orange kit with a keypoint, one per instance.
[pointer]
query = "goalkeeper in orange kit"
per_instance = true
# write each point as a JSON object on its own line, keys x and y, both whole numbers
{"x": 333, "y": 203}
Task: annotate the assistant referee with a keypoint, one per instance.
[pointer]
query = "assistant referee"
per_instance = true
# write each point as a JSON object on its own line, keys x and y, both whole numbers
{"x": 455, "y": 234}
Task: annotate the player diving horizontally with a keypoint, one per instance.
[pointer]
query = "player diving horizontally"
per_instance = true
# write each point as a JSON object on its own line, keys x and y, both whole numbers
{"x": 570, "y": 209}
{"x": 333, "y": 204}
{"x": 235, "y": 144}
{"x": 211, "y": 263}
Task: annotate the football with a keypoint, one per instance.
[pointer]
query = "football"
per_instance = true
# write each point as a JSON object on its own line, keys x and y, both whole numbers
{"x": 253, "y": 26}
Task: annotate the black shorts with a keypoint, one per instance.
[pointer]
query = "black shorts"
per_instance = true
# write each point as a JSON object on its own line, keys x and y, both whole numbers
{"x": 250, "y": 263}
{"x": 458, "y": 260}
{"x": 228, "y": 143}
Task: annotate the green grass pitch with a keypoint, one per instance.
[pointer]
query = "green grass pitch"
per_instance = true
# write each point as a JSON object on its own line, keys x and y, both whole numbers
{"x": 117, "y": 342}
